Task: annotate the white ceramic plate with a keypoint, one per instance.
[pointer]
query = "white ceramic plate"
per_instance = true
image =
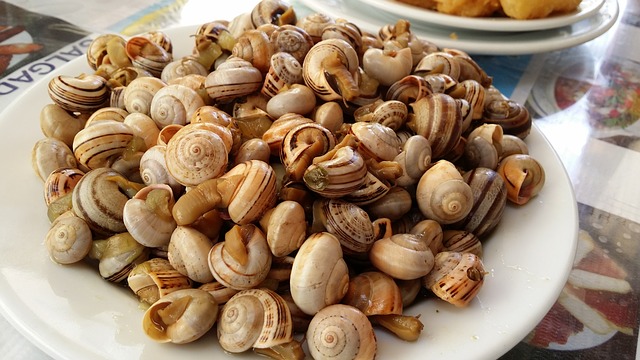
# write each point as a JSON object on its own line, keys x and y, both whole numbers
{"x": 71, "y": 313}
{"x": 586, "y": 9}
{"x": 476, "y": 42}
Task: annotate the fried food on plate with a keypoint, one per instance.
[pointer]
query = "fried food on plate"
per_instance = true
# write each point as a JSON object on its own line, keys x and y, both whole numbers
{"x": 470, "y": 8}
{"x": 519, "y": 9}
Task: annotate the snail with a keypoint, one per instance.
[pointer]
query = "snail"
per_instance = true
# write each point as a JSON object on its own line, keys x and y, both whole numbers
{"x": 319, "y": 276}
{"x": 180, "y": 317}
{"x": 342, "y": 332}
{"x": 442, "y": 194}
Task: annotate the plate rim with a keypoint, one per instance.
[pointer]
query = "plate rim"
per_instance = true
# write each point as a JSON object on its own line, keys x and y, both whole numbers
{"x": 518, "y": 43}
{"x": 493, "y": 24}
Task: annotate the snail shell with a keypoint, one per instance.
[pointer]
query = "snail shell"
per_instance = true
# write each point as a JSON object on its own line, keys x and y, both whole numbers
{"x": 247, "y": 191}
{"x": 483, "y": 147}
{"x": 319, "y": 276}
{"x": 97, "y": 145}
{"x": 243, "y": 260}
{"x": 461, "y": 241}
{"x": 512, "y": 144}
{"x": 349, "y": 223}
{"x": 301, "y": 145}
{"x": 252, "y": 149}
{"x": 513, "y": 117}
{"x": 414, "y": 160}
{"x": 523, "y": 175}
{"x": 473, "y": 93}
{"x": 371, "y": 190}
{"x": 122, "y": 77}
{"x": 314, "y": 24}
{"x": 376, "y": 141}
{"x": 254, "y": 318}
{"x": 341, "y": 332}
{"x": 293, "y": 40}
{"x": 284, "y": 70}
{"x": 221, "y": 293}
{"x": 154, "y": 279}
{"x": 188, "y": 253}
{"x": 489, "y": 200}
{"x": 456, "y": 277}
{"x": 297, "y": 99}
{"x": 279, "y": 128}
{"x": 197, "y": 152}
{"x": 137, "y": 96}
{"x": 182, "y": 67}
{"x": 98, "y": 51}
{"x": 285, "y": 226}
{"x": 234, "y": 78}
{"x": 387, "y": 66}
{"x": 276, "y": 12}
{"x": 60, "y": 183}
{"x": 438, "y": 63}
{"x": 374, "y": 293}
{"x": 393, "y": 205}
{"x": 391, "y": 113}
{"x": 347, "y": 31}
{"x": 342, "y": 174}
{"x": 58, "y": 123}
{"x": 180, "y": 317}
{"x": 107, "y": 113}
{"x": 84, "y": 93}
{"x": 431, "y": 232}
{"x": 409, "y": 89}
{"x": 329, "y": 62}
{"x": 437, "y": 117}
{"x": 144, "y": 127}
{"x": 153, "y": 169}
{"x": 118, "y": 255}
{"x": 329, "y": 115}
{"x": 174, "y": 104}
{"x": 148, "y": 55}
{"x": 50, "y": 154}
{"x": 98, "y": 200}
{"x": 147, "y": 216}
{"x": 69, "y": 239}
{"x": 442, "y": 194}
{"x": 440, "y": 83}
{"x": 255, "y": 47}
{"x": 402, "y": 256}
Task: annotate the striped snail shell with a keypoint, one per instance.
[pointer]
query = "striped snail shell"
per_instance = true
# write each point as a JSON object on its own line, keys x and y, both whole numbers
{"x": 101, "y": 142}
{"x": 329, "y": 62}
{"x": 284, "y": 70}
{"x": 301, "y": 145}
{"x": 84, "y": 93}
{"x": 342, "y": 174}
{"x": 456, "y": 277}
{"x": 233, "y": 78}
{"x": 243, "y": 259}
{"x": 98, "y": 200}
{"x": 61, "y": 182}
{"x": 437, "y": 117}
{"x": 513, "y": 117}
{"x": 489, "y": 200}
{"x": 254, "y": 318}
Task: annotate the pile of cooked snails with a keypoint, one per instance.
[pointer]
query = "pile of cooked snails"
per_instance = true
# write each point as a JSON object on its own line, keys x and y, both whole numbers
{"x": 289, "y": 176}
